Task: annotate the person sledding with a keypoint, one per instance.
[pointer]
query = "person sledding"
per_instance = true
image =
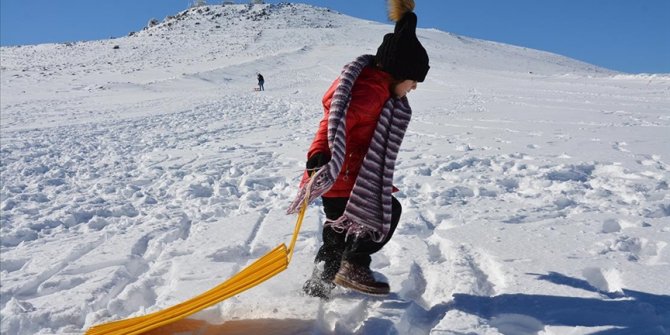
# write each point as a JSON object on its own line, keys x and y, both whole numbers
{"x": 351, "y": 160}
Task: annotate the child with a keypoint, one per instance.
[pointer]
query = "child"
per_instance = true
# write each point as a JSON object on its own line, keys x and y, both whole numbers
{"x": 352, "y": 158}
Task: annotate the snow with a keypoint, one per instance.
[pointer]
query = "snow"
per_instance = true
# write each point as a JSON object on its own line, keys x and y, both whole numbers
{"x": 140, "y": 171}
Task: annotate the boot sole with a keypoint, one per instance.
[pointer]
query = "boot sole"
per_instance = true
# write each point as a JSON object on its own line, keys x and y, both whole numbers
{"x": 377, "y": 292}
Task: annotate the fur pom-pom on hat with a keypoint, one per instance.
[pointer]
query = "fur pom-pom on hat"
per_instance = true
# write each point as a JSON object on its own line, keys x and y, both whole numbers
{"x": 398, "y": 8}
{"x": 401, "y": 54}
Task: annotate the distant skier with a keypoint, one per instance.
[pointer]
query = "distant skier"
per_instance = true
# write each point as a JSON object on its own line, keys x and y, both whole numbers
{"x": 261, "y": 82}
{"x": 351, "y": 160}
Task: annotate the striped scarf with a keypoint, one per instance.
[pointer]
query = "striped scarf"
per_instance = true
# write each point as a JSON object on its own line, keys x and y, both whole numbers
{"x": 368, "y": 211}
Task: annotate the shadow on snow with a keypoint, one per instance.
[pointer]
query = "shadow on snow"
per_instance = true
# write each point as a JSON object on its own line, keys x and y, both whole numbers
{"x": 627, "y": 312}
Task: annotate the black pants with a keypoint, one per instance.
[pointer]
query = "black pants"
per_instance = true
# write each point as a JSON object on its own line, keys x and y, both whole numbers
{"x": 336, "y": 247}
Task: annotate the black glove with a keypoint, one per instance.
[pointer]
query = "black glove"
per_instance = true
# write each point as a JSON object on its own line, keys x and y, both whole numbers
{"x": 315, "y": 162}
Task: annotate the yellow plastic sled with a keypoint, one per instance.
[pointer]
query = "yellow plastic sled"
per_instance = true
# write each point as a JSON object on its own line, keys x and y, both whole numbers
{"x": 261, "y": 270}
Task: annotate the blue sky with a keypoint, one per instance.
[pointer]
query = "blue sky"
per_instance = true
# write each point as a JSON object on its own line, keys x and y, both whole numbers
{"x": 625, "y": 35}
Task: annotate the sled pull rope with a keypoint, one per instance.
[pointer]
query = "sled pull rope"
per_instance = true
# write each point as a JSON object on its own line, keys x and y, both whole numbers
{"x": 298, "y": 223}
{"x": 296, "y": 230}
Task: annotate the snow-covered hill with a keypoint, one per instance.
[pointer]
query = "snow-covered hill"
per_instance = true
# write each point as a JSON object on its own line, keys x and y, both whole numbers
{"x": 140, "y": 171}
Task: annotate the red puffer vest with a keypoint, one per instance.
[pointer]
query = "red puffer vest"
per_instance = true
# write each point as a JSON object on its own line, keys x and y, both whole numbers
{"x": 368, "y": 96}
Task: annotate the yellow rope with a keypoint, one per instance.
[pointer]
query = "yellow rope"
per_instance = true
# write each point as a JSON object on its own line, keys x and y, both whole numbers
{"x": 298, "y": 223}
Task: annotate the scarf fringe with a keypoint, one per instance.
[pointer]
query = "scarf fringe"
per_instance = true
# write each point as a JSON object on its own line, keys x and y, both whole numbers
{"x": 349, "y": 227}
{"x": 317, "y": 185}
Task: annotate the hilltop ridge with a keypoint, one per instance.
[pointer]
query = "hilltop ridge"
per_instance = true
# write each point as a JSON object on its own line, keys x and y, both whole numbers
{"x": 222, "y": 16}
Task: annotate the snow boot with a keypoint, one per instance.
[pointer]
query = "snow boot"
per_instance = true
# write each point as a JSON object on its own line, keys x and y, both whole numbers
{"x": 359, "y": 278}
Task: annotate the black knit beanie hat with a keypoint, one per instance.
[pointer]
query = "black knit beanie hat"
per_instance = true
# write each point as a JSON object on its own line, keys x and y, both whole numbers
{"x": 401, "y": 54}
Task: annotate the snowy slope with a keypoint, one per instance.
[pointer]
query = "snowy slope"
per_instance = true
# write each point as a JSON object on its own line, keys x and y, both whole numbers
{"x": 140, "y": 171}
